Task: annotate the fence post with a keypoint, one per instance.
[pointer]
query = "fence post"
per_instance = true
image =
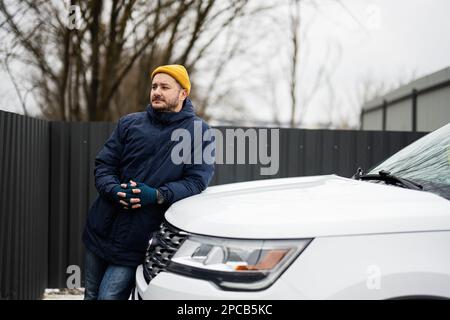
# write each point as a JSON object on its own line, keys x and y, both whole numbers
{"x": 384, "y": 112}
{"x": 414, "y": 110}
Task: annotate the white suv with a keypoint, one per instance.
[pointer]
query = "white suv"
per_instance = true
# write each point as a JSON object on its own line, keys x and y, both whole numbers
{"x": 321, "y": 237}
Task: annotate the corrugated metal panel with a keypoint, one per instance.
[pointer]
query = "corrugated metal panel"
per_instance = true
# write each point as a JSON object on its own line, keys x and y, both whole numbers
{"x": 24, "y": 197}
{"x": 78, "y": 192}
{"x": 59, "y": 205}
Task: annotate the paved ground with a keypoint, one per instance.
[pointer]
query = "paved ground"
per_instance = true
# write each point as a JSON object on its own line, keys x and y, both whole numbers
{"x": 64, "y": 294}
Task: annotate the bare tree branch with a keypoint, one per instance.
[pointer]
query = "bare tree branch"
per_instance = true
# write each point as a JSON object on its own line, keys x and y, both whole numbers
{"x": 16, "y": 87}
{"x": 295, "y": 40}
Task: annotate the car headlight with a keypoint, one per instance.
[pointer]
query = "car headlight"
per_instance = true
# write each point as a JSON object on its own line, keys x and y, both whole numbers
{"x": 235, "y": 264}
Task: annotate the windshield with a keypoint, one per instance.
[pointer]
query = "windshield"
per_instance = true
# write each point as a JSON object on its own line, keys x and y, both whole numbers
{"x": 426, "y": 161}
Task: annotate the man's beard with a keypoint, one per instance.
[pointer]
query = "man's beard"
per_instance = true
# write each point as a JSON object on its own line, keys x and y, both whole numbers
{"x": 168, "y": 106}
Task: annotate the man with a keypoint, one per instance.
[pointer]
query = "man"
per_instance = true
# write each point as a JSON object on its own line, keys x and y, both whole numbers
{"x": 137, "y": 180}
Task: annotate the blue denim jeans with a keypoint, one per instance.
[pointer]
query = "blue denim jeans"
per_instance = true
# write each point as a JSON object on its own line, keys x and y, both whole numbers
{"x": 104, "y": 281}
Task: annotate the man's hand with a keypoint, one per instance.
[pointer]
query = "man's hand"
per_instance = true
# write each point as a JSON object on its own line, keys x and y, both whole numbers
{"x": 135, "y": 194}
{"x": 143, "y": 194}
{"x": 124, "y": 195}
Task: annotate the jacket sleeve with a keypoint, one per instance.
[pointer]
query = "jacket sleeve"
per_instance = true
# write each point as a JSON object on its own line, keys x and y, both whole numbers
{"x": 196, "y": 177}
{"x": 107, "y": 162}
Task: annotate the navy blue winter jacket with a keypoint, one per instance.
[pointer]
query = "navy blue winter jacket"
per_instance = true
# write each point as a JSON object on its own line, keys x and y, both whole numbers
{"x": 140, "y": 149}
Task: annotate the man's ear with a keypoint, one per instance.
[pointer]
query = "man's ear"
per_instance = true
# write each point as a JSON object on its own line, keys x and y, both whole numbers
{"x": 183, "y": 94}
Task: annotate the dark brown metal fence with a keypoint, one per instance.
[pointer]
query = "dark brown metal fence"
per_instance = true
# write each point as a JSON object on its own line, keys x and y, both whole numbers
{"x": 24, "y": 206}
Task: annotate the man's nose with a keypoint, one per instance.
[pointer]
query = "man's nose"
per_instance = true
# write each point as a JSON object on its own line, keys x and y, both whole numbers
{"x": 156, "y": 91}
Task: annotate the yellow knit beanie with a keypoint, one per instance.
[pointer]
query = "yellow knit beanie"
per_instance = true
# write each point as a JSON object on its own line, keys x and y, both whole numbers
{"x": 178, "y": 72}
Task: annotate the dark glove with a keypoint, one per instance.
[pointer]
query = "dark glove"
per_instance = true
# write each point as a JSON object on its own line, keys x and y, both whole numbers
{"x": 113, "y": 193}
{"x": 125, "y": 202}
{"x": 147, "y": 194}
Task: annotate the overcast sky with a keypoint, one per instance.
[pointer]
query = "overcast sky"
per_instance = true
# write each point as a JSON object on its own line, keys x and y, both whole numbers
{"x": 381, "y": 40}
{"x": 386, "y": 41}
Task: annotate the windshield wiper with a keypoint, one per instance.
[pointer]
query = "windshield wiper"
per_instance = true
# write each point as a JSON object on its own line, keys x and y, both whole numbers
{"x": 387, "y": 177}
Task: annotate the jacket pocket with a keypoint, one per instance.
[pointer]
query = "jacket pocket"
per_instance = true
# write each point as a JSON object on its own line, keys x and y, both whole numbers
{"x": 142, "y": 226}
{"x": 101, "y": 217}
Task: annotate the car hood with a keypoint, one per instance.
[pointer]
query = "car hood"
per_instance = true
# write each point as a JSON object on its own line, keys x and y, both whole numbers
{"x": 308, "y": 207}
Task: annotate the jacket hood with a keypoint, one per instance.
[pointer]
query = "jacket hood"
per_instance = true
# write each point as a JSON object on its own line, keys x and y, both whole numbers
{"x": 187, "y": 111}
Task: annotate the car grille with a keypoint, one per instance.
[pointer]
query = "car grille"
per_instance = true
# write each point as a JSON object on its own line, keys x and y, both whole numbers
{"x": 162, "y": 247}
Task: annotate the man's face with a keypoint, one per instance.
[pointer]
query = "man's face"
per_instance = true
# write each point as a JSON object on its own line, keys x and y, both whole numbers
{"x": 166, "y": 94}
